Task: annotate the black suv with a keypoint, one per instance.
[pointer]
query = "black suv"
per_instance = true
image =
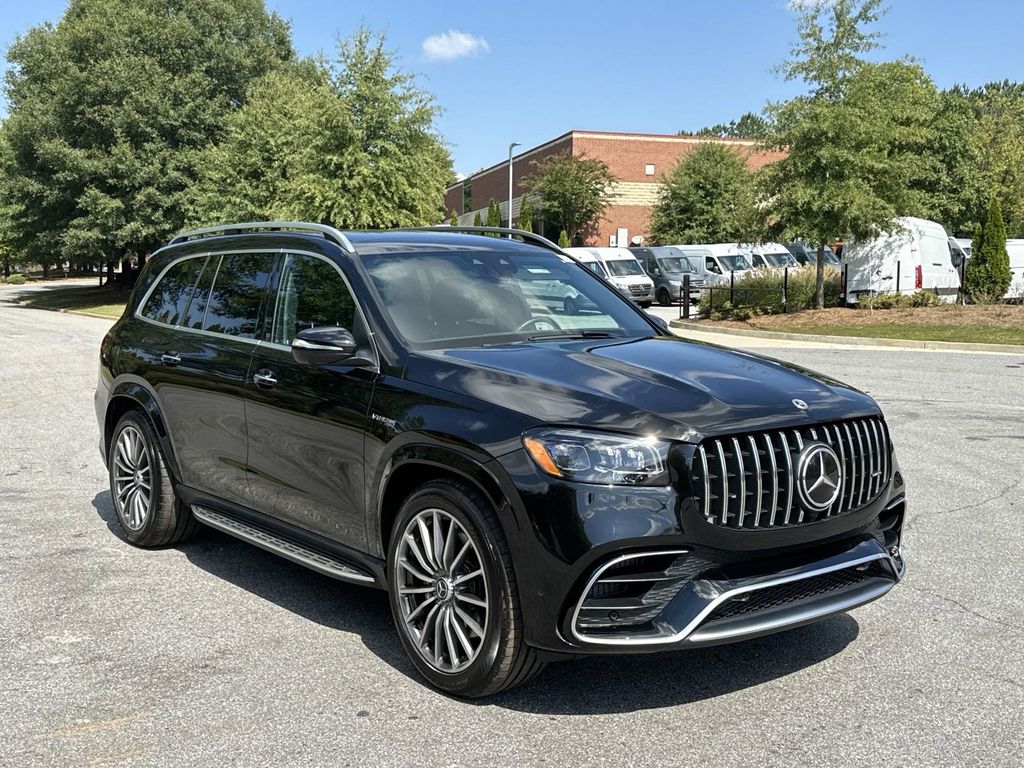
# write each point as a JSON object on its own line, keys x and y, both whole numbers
{"x": 418, "y": 411}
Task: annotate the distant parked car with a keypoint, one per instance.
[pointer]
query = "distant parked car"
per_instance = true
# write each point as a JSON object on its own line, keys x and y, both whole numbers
{"x": 623, "y": 271}
{"x": 914, "y": 256}
{"x": 714, "y": 262}
{"x": 667, "y": 266}
{"x": 807, "y": 254}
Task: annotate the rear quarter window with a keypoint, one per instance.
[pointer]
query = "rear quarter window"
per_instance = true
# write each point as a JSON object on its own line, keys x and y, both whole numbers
{"x": 170, "y": 296}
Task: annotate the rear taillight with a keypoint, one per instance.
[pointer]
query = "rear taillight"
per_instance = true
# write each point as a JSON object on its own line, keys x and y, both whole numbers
{"x": 918, "y": 281}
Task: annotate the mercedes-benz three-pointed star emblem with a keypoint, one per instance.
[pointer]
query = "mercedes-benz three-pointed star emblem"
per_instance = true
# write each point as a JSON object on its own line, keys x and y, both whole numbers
{"x": 818, "y": 477}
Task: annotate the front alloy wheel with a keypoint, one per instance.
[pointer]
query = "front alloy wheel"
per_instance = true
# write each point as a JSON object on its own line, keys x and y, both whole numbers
{"x": 453, "y": 592}
{"x": 442, "y": 590}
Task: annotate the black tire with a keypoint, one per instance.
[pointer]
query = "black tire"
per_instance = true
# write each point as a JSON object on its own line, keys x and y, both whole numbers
{"x": 167, "y": 521}
{"x": 504, "y": 660}
{"x": 645, "y": 305}
{"x": 664, "y": 299}
{"x": 569, "y": 306}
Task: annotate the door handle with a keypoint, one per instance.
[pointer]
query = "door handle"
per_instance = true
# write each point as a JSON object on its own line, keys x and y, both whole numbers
{"x": 264, "y": 378}
{"x": 170, "y": 359}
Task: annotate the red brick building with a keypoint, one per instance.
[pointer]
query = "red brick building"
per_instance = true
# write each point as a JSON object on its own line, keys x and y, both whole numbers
{"x": 637, "y": 160}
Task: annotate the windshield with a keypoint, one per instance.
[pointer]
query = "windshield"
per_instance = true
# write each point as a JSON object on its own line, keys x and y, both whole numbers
{"x": 623, "y": 267}
{"x": 781, "y": 259}
{"x": 675, "y": 264}
{"x": 736, "y": 262}
{"x": 479, "y": 297}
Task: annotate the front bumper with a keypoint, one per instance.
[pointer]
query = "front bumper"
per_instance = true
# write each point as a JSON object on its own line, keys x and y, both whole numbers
{"x": 688, "y": 583}
{"x": 722, "y": 605}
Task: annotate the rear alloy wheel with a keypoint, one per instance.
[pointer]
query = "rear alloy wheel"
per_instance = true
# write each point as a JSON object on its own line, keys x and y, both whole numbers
{"x": 147, "y": 511}
{"x": 453, "y": 592}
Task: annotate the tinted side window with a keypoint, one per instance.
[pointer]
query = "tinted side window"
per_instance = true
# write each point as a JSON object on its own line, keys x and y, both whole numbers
{"x": 170, "y": 296}
{"x": 238, "y": 290}
{"x": 197, "y": 307}
{"x": 311, "y": 294}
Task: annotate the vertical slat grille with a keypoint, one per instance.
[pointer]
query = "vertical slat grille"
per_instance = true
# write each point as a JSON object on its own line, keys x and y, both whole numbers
{"x": 749, "y": 481}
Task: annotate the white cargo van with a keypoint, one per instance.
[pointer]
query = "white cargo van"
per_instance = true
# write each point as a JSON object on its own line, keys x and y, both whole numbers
{"x": 715, "y": 261}
{"x": 915, "y": 256}
{"x": 1015, "y": 249}
{"x": 769, "y": 256}
{"x": 621, "y": 269}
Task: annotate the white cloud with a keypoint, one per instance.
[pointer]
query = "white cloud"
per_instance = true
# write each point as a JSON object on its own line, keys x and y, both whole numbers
{"x": 453, "y": 45}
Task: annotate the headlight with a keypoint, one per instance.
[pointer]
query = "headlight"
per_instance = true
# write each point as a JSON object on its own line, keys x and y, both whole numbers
{"x": 597, "y": 457}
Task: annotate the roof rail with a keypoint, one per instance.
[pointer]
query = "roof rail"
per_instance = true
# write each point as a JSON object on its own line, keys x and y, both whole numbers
{"x": 528, "y": 237}
{"x": 329, "y": 233}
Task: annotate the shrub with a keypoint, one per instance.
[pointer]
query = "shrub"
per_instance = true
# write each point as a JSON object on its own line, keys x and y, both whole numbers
{"x": 563, "y": 239}
{"x": 761, "y": 292}
{"x": 988, "y": 274}
{"x": 900, "y": 300}
{"x": 16, "y": 279}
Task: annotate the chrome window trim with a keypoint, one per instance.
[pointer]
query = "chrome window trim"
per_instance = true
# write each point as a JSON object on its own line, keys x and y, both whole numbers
{"x": 255, "y": 342}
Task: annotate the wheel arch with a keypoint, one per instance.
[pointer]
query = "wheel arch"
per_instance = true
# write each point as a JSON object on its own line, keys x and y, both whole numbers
{"x": 413, "y": 466}
{"x": 133, "y": 395}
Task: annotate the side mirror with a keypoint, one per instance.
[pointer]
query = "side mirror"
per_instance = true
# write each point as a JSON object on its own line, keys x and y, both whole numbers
{"x": 326, "y": 345}
{"x": 661, "y": 322}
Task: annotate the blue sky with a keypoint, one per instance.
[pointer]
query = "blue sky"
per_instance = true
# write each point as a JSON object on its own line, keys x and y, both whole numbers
{"x": 533, "y": 70}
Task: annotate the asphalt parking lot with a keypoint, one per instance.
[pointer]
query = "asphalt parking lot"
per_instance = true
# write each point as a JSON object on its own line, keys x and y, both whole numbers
{"x": 216, "y": 653}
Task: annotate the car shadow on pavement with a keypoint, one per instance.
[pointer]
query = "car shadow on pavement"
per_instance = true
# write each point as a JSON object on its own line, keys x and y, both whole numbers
{"x": 594, "y": 685}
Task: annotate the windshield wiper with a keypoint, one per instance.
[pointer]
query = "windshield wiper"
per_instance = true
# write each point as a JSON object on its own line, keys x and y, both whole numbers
{"x": 574, "y": 335}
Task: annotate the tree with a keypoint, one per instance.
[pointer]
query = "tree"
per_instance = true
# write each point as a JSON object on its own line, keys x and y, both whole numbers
{"x": 526, "y": 214}
{"x": 708, "y": 197}
{"x": 109, "y": 110}
{"x": 749, "y": 126}
{"x": 493, "y": 214}
{"x": 853, "y": 141}
{"x": 477, "y": 221}
{"x": 352, "y": 144}
{"x": 999, "y": 143}
{"x": 988, "y": 275}
{"x": 573, "y": 192}
{"x": 454, "y": 220}
{"x": 953, "y": 186}
{"x": 563, "y": 239}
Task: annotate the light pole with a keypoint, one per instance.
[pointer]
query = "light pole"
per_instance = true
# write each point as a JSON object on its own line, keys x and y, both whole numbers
{"x": 511, "y": 146}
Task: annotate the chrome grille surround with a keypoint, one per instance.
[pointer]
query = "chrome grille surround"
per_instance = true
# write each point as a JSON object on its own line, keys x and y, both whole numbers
{"x": 748, "y": 482}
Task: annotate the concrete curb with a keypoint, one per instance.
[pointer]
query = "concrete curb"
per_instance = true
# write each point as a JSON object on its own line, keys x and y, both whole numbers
{"x": 83, "y": 313}
{"x": 855, "y": 341}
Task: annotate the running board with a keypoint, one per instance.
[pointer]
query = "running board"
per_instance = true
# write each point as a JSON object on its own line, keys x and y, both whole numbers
{"x": 297, "y": 553}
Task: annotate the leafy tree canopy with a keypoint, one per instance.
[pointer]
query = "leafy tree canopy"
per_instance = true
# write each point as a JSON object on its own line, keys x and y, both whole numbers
{"x": 352, "y": 144}
{"x": 573, "y": 192}
{"x": 749, "y": 126}
{"x": 708, "y": 197}
{"x": 109, "y": 111}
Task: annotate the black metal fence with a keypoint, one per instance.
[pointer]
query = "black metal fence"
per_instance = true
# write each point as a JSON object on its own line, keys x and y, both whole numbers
{"x": 739, "y": 297}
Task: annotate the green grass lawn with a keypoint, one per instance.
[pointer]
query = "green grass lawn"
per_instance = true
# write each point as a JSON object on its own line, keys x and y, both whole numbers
{"x": 986, "y": 334}
{"x": 97, "y": 300}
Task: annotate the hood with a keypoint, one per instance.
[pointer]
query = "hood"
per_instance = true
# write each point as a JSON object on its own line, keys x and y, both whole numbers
{"x": 678, "y": 389}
